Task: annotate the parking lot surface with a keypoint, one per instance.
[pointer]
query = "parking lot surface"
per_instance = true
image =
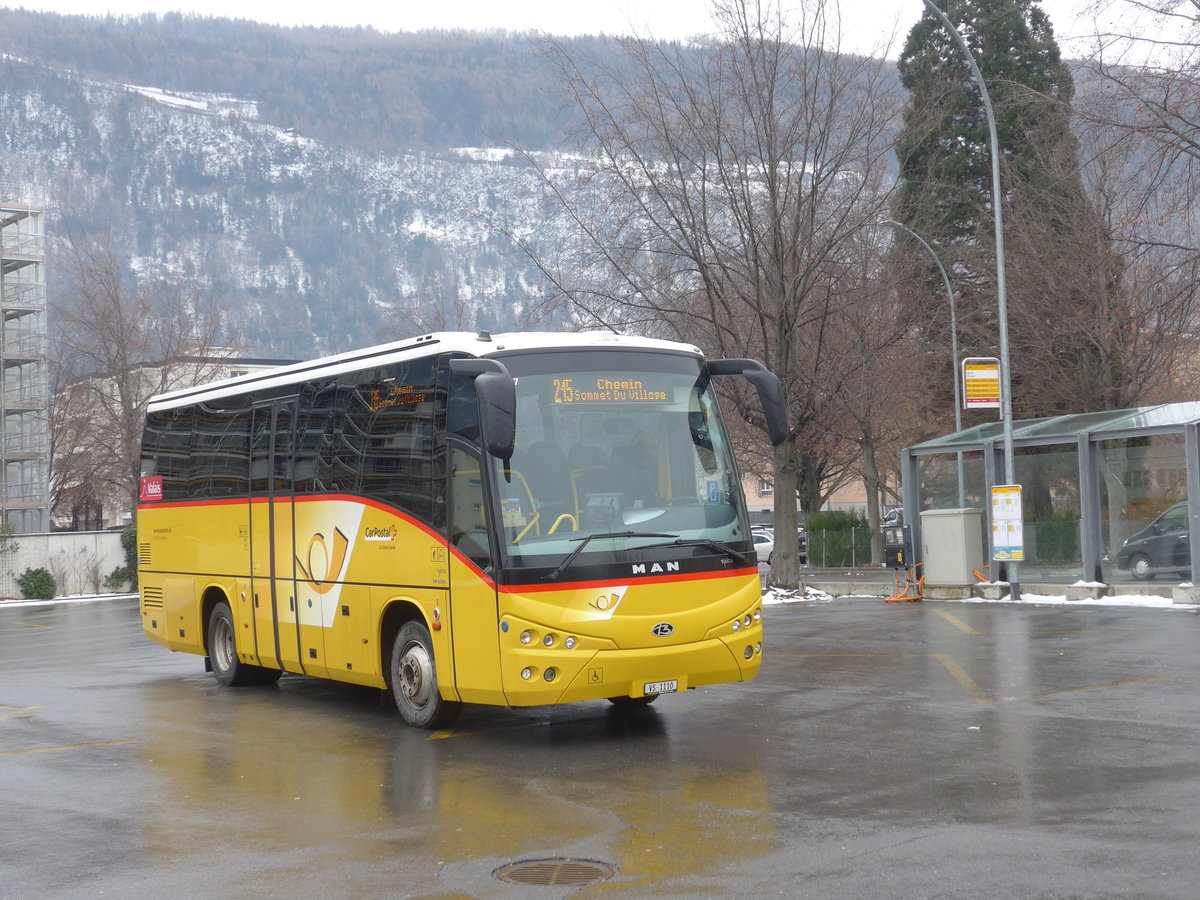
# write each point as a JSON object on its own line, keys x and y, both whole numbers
{"x": 885, "y": 750}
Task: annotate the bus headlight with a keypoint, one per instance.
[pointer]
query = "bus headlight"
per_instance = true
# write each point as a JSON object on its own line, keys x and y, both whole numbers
{"x": 737, "y": 626}
{"x": 569, "y": 643}
{"x": 746, "y": 621}
{"x": 526, "y": 637}
{"x": 548, "y": 640}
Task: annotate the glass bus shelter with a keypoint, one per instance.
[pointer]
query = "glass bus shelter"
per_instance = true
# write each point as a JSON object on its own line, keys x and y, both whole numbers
{"x": 1089, "y": 483}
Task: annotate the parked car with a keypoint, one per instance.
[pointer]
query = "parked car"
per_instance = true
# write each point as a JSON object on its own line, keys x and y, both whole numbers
{"x": 764, "y": 543}
{"x": 1162, "y": 546}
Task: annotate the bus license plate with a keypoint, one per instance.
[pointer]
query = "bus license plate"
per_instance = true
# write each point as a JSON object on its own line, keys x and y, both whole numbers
{"x": 661, "y": 687}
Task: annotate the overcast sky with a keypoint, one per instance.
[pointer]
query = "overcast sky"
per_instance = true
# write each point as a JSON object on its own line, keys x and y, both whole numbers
{"x": 867, "y": 24}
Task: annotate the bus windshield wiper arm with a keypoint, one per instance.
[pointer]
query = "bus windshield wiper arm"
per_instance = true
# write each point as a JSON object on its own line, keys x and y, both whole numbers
{"x": 712, "y": 544}
{"x": 583, "y": 542}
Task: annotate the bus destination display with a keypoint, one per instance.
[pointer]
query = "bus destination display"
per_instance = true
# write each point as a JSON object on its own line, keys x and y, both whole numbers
{"x": 609, "y": 390}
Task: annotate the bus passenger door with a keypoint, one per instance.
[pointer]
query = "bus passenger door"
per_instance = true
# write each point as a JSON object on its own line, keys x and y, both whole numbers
{"x": 276, "y": 633}
{"x": 473, "y": 609}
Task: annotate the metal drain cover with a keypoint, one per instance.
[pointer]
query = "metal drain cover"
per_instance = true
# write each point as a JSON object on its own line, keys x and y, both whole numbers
{"x": 577, "y": 872}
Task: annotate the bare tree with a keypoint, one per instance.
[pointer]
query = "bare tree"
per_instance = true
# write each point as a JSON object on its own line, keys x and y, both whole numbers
{"x": 116, "y": 342}
{"x": 873, "y": 407}
{"x": 1140, "y": 136}
{"x": 720, "y": 185}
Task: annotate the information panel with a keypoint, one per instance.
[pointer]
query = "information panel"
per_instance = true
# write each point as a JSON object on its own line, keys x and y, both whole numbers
{"x": 981, "y": 383}
{"x": 1008, "y": 526}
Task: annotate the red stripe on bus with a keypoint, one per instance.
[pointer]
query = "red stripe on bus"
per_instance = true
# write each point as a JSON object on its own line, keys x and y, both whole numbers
{"x": 538, "y": 588}
{"x": 631, "y": 581}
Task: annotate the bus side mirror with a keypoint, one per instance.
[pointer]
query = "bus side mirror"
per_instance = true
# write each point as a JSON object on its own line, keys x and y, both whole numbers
{"x": 496, "y": 398}
{"x": 769, "y": 392}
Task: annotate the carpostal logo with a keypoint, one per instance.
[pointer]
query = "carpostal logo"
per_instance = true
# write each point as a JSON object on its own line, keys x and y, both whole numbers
{"x": 323, "y": 566}
{"x": 375, "y": 533}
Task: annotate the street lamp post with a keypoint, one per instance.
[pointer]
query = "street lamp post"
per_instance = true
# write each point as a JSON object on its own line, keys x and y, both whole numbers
{"x": 953, "y": 347}
{"x": 998, "y": 221}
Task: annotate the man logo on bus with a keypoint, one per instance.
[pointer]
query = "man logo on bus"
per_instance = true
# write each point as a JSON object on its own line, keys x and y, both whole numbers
{"x": 324, "y": 571}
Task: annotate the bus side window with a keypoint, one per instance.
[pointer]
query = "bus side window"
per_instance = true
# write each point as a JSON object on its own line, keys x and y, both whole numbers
{"x": 468, "y": 517}
{"x": 167, "y": 450}
{"x": 462, "y": 412}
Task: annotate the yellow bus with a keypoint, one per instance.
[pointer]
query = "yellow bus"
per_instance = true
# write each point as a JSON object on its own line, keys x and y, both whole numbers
{"x": 517, "y": 519}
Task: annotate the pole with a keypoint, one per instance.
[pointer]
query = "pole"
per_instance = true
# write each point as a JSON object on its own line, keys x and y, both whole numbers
{"x": 953, "y": 349}
{"x": 1001, "y": 299}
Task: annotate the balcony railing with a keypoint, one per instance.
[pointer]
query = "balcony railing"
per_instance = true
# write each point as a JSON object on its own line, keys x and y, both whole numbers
{"x": 23, "y": 295}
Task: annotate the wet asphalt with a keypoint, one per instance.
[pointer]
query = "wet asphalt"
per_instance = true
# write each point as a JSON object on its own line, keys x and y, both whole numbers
{"x": 885, "y": 750}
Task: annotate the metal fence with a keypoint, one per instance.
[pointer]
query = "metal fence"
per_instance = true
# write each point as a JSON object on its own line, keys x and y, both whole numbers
{"x": 839, "y": 547}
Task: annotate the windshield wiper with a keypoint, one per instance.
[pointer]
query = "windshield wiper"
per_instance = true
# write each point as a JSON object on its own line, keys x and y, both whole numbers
{"x": 583, "y": 542}
{"x": 711, "y": 544}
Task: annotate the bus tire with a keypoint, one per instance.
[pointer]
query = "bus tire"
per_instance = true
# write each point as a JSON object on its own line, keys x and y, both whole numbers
{"x": 222, "y": 653}
{"x": 414, "y": 680}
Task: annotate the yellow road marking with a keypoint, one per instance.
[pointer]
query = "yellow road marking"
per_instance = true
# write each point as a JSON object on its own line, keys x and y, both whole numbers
{"x": 960, "y": 675}
{"x": 445, "y": 733}
{"x": 30, "y": 625}
{"x": 956, "y": 622}
{"x": 16, "y": 711}
{"x": 64, "y": 747}
{"x": 1092, "y": 687}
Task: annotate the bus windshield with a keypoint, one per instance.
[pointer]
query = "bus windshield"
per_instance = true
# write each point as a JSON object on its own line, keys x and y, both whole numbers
{"x": 616, "y": 451}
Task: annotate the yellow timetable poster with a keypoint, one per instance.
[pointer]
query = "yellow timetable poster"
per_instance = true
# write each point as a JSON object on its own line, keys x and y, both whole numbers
{"x": 1008, "y": 526}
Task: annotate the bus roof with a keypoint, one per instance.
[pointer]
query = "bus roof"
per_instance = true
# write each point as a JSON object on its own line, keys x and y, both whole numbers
{"x": 478, "y": 344}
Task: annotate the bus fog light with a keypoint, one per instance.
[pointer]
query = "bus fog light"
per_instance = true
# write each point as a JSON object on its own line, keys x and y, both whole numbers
{"x": 527, "y": 673}
{"x": 550, "y": 674}
{"x": 569, "y": 643}
{"x": 548, "y": 640}
{"x": 758, "y": 647}
{"x": 748, "y": 652}
{"x": 526, "y": 637}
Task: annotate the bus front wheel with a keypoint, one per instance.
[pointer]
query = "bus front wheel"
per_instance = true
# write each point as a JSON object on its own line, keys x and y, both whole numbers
{"x": 414, "y": 680}
{"x": 222, "y": 652}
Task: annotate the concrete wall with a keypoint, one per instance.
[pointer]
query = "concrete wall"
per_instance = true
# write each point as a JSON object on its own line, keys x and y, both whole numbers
{"x": 78, "y": 560}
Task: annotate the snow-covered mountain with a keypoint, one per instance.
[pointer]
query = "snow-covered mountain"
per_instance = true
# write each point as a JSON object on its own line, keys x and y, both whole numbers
{"x": 316, "y": 246}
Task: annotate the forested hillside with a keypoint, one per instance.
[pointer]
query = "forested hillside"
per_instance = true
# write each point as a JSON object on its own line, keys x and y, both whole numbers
{"x": 314, "y": 178}
{"x": 350, "y": 86}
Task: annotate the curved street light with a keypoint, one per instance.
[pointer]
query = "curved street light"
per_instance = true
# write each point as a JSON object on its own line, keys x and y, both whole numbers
{"x": 998, "y": 221}
{"x": 953, "y": 346}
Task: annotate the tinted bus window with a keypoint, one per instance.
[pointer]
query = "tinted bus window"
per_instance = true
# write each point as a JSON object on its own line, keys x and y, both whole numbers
{"x": 166, "y": 450}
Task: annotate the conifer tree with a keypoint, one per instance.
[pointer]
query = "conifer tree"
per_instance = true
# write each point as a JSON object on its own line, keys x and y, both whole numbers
{"x": 1062, "y": 280}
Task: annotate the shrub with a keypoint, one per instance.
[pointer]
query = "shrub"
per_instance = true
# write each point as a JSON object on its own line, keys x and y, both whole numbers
{"x": 125, "y": 575}
{"x": 838, "y": 538}
{"x": 37, "y": 584}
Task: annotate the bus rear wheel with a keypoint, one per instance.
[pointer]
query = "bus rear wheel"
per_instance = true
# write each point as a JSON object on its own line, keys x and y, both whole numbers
{"x": 414, "y": 680}
{"x": 222, "y": 652}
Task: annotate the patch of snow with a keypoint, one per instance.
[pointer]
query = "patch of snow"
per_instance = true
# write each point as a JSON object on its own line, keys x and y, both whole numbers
{"x": 484, "y": 154}
{"x": 73, "y": 598}
{"x": 1140, "y": 600}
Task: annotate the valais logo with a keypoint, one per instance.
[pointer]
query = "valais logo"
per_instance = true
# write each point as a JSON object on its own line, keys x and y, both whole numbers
{"x": 152, "y": 488}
